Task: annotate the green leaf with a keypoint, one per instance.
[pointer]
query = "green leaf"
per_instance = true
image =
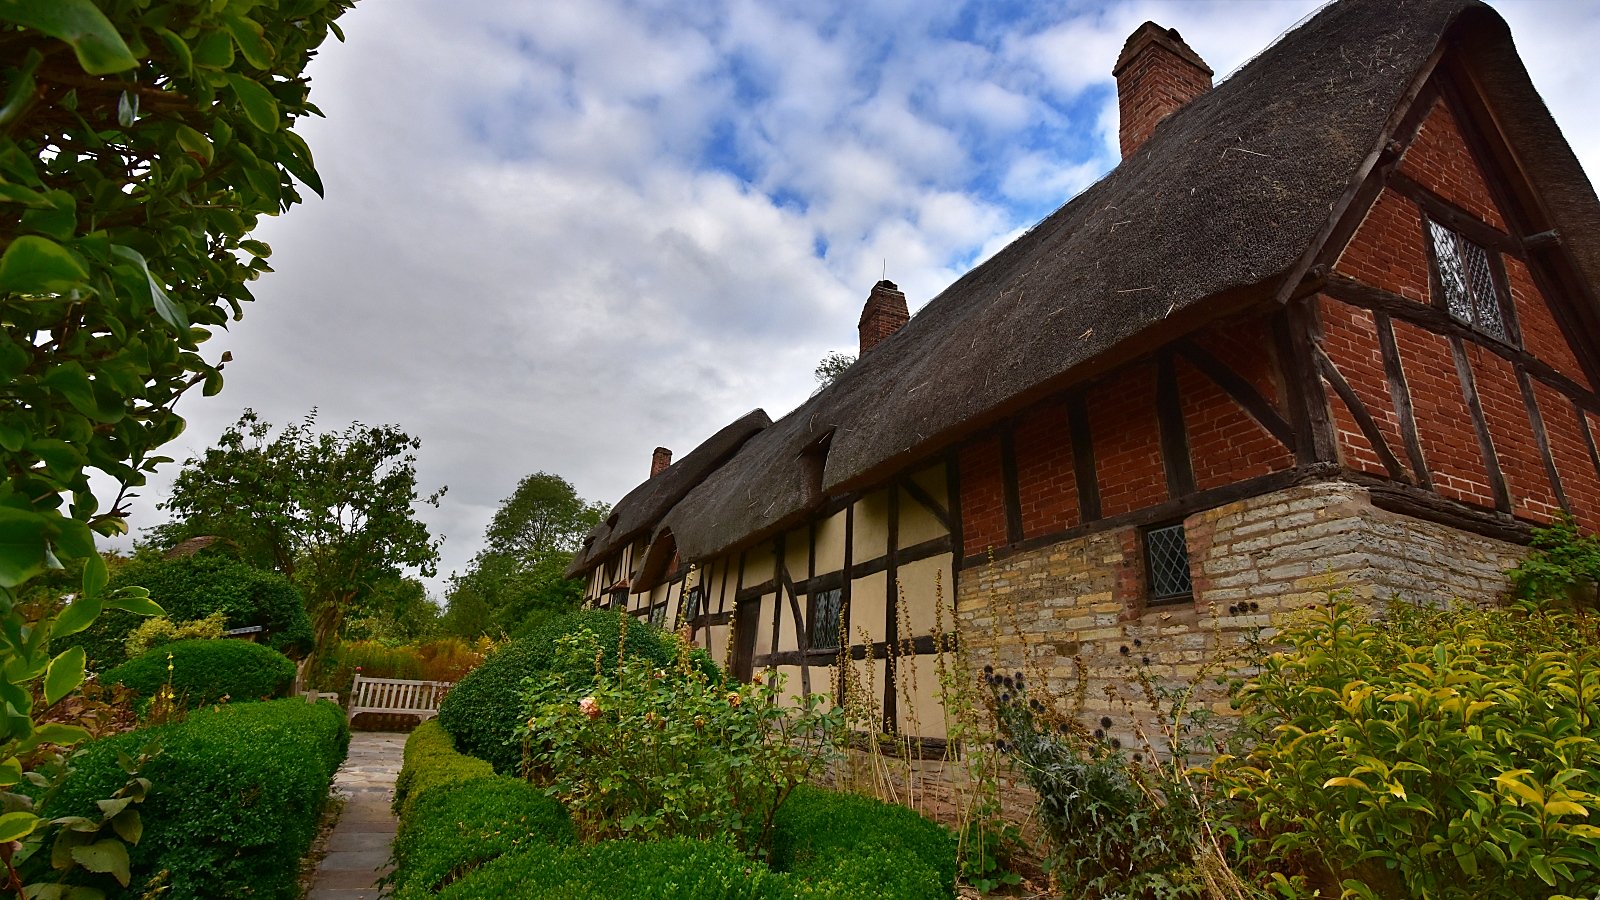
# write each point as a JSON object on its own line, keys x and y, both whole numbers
{"x": 196, "y": 143}
{"x": 57, "y": 733}
{"x": 247, "y": 35}
{"x": 127, "y": 109}
{"x": 95, "y": 575}
{"x": 215, "y": 51}
{"x": 128, "y": 825}
{"x": 66, "y": 673}
{"x": 10, "y": 772}
{"x": 38, "y": 265}
{"x": 77, "y": 617}
{"x": 24, "y": 551}
{"x": 165, "y": 308}
{"x": 109, "y": 856}
{"x": 178, "y": 48}
{"x": 14, "y": 826}
{"x": 13, "y": 362}
{"x": 135, "y": 600}
{"x": 93, "y": 38}
{"x": 259, "y": 105}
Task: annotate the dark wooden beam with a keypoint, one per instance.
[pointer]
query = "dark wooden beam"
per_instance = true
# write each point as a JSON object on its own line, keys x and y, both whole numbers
{"x": 844, "y": 590}
{"x": 1536, "y": 419}
{"x": 1400, "y": 395}
{"x": 1431, "y": 318}
{"x": 1452, "y": 217}
{"x": 1491, "y": 461}
{"x": 1169, "y": 425}
{"x": 926, "y": 500}
{"x": 802, "y": 635}
{"x": 755, "y": 590}
{"x": 952, "y": 481}
{"x": 1588, "y": 438}
{"x": 1008, "y": 483}
{"x": 1296, "y": 332}
{"x": 1363, "y": 416}
{"x": 1176, "y": 508}
{"x": 1428, "y": 506}
{"x": 780, "y": 574}
{"x": 1242, "y": 392}
{"x": 891, "y": 606}
{"x": 902, "y": 556}
{"x": 1083, "y": 468}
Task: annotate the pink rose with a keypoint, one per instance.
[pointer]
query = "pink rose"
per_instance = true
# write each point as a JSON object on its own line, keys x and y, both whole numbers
{"x": 590, "y": 707}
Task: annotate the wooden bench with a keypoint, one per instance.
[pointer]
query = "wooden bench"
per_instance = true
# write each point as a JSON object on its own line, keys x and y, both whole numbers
{"x": 397, "y": 696}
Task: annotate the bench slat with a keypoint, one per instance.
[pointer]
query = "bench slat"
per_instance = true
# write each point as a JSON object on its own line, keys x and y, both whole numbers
{"x": 397, "y": 696}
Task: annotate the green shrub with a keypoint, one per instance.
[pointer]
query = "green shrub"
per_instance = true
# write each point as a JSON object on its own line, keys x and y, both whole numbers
{"x": 1562, "y": 568}
{"x": 431, "y": 760}
{"x": 483, "y": 710}
{"x": 237, "y": 795}
{"x": 1437, "y": 753}
{"x": 863, "y": 844}
{"x": 158, "y": 630}
{"x": 652, "y": 752}
{"x": 205, "y": 672}
{"x": 446, "y": 834}
{"x": 674, "y": 869}
{"x": 196, "y": 587}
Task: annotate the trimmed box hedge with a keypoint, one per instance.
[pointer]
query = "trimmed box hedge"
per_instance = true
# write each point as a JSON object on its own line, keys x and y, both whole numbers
{"x": 205, "y": 672}
{"x": 857, "y": 842}
{"x": 236, "y": 797}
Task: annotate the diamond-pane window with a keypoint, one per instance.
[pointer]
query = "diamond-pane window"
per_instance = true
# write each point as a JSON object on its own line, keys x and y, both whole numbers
{"x": 658, "y": 615}
{"x": 691, "y": 605}
{"x": 1467, "y": 281}
{"x": 1167, "y": 555}
{"x": 825, "y": 619}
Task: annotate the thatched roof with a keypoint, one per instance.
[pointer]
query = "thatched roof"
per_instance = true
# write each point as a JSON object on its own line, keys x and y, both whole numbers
{"x": 1216, "y": 209}
{"x": 645, "y": 505}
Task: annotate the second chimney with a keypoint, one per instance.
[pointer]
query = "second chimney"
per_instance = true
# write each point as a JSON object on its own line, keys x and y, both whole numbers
{"x": 883, "y": 315}
{"x": 659, "y": 461}
{"x": 1156, "y": 74}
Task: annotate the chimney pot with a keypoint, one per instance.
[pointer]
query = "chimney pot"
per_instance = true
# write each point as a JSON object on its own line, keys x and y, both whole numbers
{"x": 659, "y": 461}
{"x": 1156, "y": 74}
{"x": 883, "y": 314}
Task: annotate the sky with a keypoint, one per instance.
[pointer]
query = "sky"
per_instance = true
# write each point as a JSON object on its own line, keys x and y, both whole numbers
{"x": 557, "y": 235}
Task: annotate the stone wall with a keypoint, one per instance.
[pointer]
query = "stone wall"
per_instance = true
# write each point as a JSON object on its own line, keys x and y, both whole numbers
{"x": 1078, "y": 605}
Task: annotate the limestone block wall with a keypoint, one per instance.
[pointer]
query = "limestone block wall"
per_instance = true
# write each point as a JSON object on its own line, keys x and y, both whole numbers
{"x": 1079, "y": 604}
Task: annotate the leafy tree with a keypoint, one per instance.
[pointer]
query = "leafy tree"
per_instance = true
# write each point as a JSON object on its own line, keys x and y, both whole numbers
{"x": 831, "y": 367}
{"x": 395, "y": 609}
{"x": 140, "y": 140}
{"x": 335, "y": 512}
{"x": 518, "y": 577}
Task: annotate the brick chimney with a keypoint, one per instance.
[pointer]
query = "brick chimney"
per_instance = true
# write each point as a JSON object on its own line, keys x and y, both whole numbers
{"x": 883, "y": 315}
{"x": 1156, "y": 74}
{"x": 659, "y": 461}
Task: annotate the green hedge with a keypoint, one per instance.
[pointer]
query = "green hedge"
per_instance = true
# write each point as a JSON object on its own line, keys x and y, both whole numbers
{"x": 236, "y": 799}
{"x": 861, "y": 843}
{"x": 203, "y": 672}
{"x": 196, "y": 587}
{"x": 430, "y": 759}
{"x": 483, "y": 710}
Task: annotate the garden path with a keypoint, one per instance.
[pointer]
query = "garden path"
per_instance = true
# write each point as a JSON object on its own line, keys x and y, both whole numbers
{"x": 358, "y": 848}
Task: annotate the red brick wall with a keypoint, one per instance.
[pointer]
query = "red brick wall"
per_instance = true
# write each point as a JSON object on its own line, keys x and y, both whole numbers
{"x": 1388, "y": 250}
{"x": 1046, "y": 482}
{"x": 1444, "y": 422}
{"x": 1439, "y": 159}
{"x": 1541, "y": 336}
{"x": 1512, "y": 434}
{"x": 1350, "y": 337}
{"x": 1579, "y": 480}
{"x": 1127, "y": 443}
{"x": 1225, "y": 444}
{"x": 983, "y": 513}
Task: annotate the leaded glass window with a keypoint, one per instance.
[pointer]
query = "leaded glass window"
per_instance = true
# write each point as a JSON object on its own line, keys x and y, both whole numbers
{"x": 1467, "y": 281}
{"x": 825, "y": 619}
{"x": 691, "y": 605}
{"x": 1166, "y": 554}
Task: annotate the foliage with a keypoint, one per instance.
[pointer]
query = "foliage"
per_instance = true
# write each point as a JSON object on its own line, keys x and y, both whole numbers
{"x": 1563, "y": 567}
{"x": 518, "y": 578}
{"x": 483, "y": 711}
{"x": 447, "y": 833}
{"x": 334, "y": 512}
{"x": 395, "y": 610}
{"x": 195, "y": 587}
{"x": 237, "y": 797}
{"x": 1435, "y": 753}
{"x": 131, "y": 171}
{"x": 431, "y": 761}
{"x": 878, "y": 848}
{"x": 1120, "y": 828}
{"x": 201, "y": 673}
{"x": 672, "y": 869}
{"x": 649, "y": 751}
{"x": 158, "y": 630}
{"x": 831, "y": 367}
{"x": 446, "y": 659}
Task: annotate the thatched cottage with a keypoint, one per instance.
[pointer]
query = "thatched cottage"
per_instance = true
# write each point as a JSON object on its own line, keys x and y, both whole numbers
{"x": 1333, "y": 319}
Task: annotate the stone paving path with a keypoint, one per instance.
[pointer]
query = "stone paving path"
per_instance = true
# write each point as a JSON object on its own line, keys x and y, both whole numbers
{"x": 358, "y": 848}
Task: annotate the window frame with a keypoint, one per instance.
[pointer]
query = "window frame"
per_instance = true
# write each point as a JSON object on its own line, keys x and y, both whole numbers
{"x": 1151, "y": 598}
{"x": 1432, "y": 228}
{"x": 813, "y": 620}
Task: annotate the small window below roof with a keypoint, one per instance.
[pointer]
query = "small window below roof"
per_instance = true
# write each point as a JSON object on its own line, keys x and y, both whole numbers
{"x": 1466, "y": 281}
{"x": 1166, "y": 559}
{"x": 824, "y": 619}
